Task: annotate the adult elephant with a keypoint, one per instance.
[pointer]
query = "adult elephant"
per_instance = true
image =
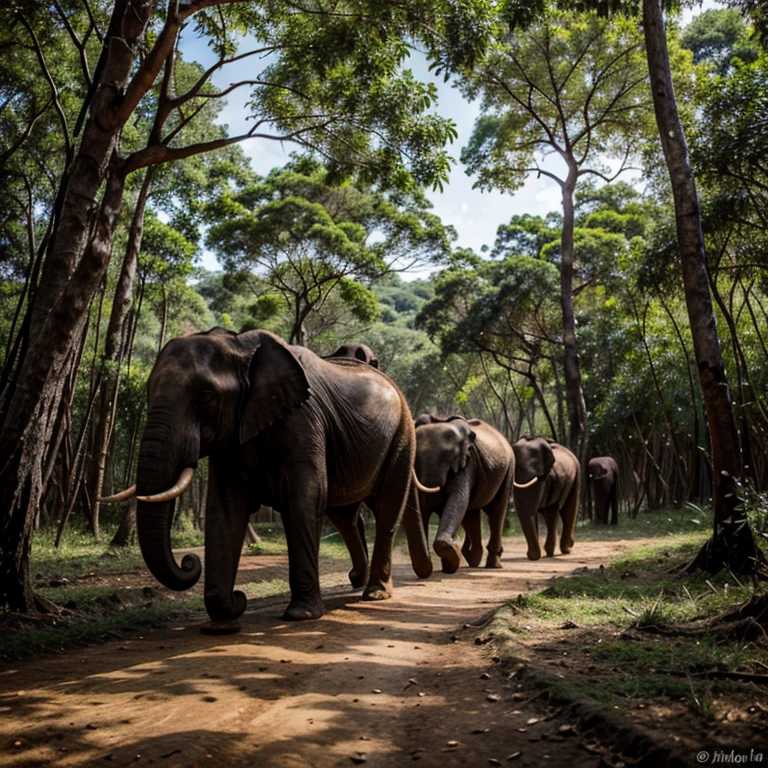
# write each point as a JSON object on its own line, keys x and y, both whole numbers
{"x": 546, "y": 481}
{"x": 284, "y": 428}
{"x": 603, "y": 479}
{"x": 473, "y": 464}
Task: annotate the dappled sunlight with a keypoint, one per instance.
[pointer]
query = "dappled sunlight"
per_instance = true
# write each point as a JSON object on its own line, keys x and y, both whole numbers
{"x": 281, "y": 693}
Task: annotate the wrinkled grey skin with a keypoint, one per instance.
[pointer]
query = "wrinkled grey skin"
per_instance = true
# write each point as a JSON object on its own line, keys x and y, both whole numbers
{"x": 356, "y": 351}
{"x": 603, "y": 478}
{"x": 284, "y": 428}
{"x": 555, "y": 492}
{"x": 473, "y": 464}
{"x": 355, "y": 541}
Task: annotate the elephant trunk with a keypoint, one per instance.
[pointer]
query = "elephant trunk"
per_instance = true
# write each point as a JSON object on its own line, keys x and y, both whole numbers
{"x": 161, "y": 460}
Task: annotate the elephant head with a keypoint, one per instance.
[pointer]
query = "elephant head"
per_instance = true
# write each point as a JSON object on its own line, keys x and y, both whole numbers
{"x": 534, "y": 460}
{"x": 207, "y": 393}
{"x": 442, "y": 446}
{"x": 355, "y": 351}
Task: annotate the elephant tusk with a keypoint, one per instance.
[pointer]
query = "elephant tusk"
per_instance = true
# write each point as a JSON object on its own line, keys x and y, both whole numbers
{"x": 423, "y": 488}
{"x": 185, "y": 478}
{"x": 122, "y": 496}
{"x": 525, "y": 485}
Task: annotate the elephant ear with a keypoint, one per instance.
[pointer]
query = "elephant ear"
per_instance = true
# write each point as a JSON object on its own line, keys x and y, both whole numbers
{"x": 548, "y": 457}
{"x": 459, "y": 462}
{"x": 277, "y": 385}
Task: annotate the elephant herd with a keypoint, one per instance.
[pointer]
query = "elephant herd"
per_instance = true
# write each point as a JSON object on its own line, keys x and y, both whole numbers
{"x": 315, "y": 437}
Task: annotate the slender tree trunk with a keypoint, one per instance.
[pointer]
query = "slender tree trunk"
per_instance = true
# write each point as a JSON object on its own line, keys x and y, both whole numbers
{"x": 574, "y": 396}
{"x": 726, "y": 450}
{"x": 114, "y": 349}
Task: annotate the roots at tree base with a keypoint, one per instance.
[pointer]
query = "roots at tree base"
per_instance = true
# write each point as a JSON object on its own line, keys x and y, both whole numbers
{"x": 732, "y": 546}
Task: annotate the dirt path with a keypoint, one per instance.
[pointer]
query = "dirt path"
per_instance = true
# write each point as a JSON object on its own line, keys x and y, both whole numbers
{"x": 386, "y": 683}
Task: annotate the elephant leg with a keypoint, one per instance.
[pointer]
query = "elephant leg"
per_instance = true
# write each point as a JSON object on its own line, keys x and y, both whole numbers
{"x": 226, "y": 518}
{"x": 528, "y": 515}
{"x": 497, "y": 512}
{"x": 303, "y": 522}
{"x": 348, "y": 522}
{"x": 614, "y": 505}
{"x": 550, "y": 517}
{"x": 388, "y": 508}
{"x": 568, "y": 514}
{"x": 472, "y": 548}
{"x": 453, "y": 513}
{"x": 416, "y": 524}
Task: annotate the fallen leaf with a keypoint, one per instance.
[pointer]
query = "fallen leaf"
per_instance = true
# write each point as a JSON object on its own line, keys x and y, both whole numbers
{"x": 481, "y": 730}
{"x": 532, "y": 720}
{"x": 359, "y": 758}
{"x": 452, "y": 743}
{"x": 493, "y": 697}
{"x": 513, "y": 756}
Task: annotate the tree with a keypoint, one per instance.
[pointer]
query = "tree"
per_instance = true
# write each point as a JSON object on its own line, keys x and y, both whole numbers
{"x": 569, "y": 85}
{"x": 307, "y": 240}
{"x": 338, "y": 92}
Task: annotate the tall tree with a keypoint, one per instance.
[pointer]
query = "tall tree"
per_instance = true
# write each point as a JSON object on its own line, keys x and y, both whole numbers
{"x": 569, "y": 85}
{"x": 306, "y": 240}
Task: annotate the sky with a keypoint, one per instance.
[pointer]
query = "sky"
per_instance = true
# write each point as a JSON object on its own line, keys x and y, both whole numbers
{"x": 473, "y": 213}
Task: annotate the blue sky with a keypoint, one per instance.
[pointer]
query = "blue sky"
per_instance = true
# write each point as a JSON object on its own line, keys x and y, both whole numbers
{"x": 474, "y": 214}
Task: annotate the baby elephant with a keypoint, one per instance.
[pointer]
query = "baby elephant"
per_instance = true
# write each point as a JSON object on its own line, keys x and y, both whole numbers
{"x": 473, "y": 464}
{"x": 546, "y": 481}
{"x": 603, "y": 478}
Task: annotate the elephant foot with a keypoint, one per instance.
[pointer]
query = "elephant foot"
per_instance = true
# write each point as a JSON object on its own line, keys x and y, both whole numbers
{"x": 449, "y": 554}
{"x": 224, "y": 610}
{"x": 303, "y": 610}
{"x": 472, "y": 556}
{"x": 493, "y": 561}
{"x": 220, "y": 627}
{"x": 565, "y": 550}
{"x": 378, "y": 591}
{"x": 357, "y": 579}
{"x": 533, "y": 555}
{"x": 550, "y": 552}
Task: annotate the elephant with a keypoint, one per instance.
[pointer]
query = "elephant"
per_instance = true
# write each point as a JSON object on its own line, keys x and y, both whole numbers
{"x": 546, "y": 480}
{"x": 603, "y": 479}
{"x": 356, "y": 351}
{"x": 284, "y": 428}
{"x": 473, "y": 465}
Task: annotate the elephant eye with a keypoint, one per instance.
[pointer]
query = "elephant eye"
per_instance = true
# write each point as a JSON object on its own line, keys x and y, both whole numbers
{"x": 206, "y": 397}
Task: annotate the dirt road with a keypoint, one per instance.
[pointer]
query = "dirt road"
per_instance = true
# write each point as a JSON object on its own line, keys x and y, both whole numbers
{"x": 385, "y": 684}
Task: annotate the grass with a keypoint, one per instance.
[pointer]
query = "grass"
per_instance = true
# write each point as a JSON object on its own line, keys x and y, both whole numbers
{"x": 98, "y": 610}
{"x": 610, "y": 606}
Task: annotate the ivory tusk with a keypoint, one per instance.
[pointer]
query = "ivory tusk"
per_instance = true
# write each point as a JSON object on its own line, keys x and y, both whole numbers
{"x": 185, "y": 478}
{"x": 122, "y": 496}
{"x": 525, "y": 485}
{"x": 423, "y": 488}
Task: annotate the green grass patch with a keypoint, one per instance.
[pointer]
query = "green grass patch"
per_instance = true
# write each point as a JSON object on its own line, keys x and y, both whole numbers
{"x": 606, "y": 609}
{"x": 51, "y": 638}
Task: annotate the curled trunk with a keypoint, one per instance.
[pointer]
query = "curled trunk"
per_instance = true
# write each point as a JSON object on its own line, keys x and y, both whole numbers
{"x": 160, "y": 463}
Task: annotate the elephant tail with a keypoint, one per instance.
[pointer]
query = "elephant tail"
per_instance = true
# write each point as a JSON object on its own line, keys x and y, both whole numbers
{"x": 423, "y": 488}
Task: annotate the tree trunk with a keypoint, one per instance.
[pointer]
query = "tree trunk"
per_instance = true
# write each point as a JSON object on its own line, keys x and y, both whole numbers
{"x": 574, "y": 396}
{"x": 77, "y": 258}
{"x": 114, "y": 350}
{"x": 726, "y": 450}
{"x": 126, "y": 528}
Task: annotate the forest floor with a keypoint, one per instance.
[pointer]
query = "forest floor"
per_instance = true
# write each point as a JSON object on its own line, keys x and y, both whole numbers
{"x": 433, "y": 676}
